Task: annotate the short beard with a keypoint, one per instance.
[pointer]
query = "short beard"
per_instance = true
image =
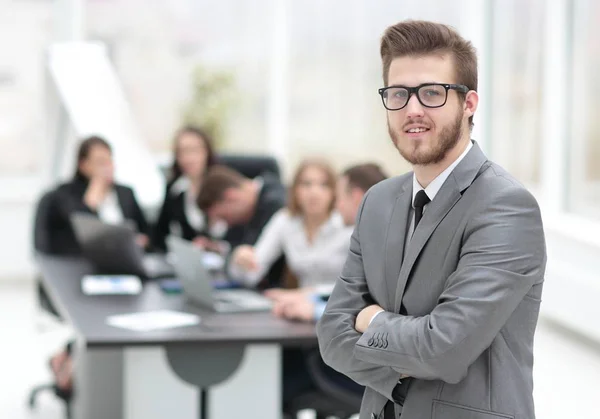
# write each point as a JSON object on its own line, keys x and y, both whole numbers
{"x": 447, "y": 140}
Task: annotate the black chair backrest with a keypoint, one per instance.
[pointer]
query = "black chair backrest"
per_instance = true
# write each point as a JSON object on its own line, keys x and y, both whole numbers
{"x": 251, "y": 166}
{"x": 42, "y": 241}
{"x": 325, "y": 379}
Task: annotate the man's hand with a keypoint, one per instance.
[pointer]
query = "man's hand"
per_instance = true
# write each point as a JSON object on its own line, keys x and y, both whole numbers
{"x": 201, "y": 242}
{"x": 364, "y": 317}
{"x": 97, "y": 189}
{"x": 302, "y": 309}
{"x": 142, "y": 240}
{"x": 244, "y": 257}
{"x": 205, "y": 243}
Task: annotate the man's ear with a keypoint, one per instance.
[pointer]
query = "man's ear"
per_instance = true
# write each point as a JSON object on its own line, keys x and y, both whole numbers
{"x": 357, "y": 194}
{"x": 471, "y": 103}
{"x": 231, "y": 194}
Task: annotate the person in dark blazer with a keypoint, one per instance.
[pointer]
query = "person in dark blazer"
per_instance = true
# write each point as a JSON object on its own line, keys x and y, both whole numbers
{"x": 93, "y": 190}
{"x": 179, "y": 214}
{"x": 246, "y": 205}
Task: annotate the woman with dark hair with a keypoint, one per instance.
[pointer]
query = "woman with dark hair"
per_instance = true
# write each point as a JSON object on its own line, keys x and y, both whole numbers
{"x": 94, "y": 191}
{"x": 179, "y": 214}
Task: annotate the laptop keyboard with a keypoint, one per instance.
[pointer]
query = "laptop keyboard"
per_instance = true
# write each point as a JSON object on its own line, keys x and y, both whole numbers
{"x": 242, "y": 298}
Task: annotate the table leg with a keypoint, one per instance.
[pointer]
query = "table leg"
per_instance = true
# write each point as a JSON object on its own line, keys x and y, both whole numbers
{"x": 203, "y": 403}
{"x": 186, "y": 382}
{"x": 251, "y": 390}
{"x": 98, "y": 383}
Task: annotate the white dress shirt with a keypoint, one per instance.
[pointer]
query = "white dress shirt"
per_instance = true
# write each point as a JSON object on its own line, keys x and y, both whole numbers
{"x": 317, "y": 263}
{"x": 109, "y": 210}
{"x": 436, "y": 184}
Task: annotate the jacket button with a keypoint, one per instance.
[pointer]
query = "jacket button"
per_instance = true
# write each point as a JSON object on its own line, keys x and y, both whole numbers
{"x": 370, "y": 342}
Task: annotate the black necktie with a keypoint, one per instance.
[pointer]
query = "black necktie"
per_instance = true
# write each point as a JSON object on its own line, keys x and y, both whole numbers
{"x": 421, "y": 199}
{"x": 400, "y": 391}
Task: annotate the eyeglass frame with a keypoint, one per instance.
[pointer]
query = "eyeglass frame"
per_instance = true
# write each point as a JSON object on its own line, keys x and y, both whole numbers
{"x": 461, "y": 88}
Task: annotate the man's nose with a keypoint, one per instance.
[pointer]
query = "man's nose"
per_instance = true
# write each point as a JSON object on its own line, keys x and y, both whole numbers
{"x": 414, "y": 109}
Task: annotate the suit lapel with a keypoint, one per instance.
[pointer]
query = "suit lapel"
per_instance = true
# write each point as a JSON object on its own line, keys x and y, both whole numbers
{"x": 460, "y": 179}
{"x": 395, "y": 239}
{"x": 446, "y": 198}
{"x": 123, "y": 202}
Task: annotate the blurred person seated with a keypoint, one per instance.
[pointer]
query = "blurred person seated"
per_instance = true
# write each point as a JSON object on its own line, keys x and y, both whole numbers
{"x": 245, "y": 205}
{"x": 314, "y": 240}
{"x": 94, "y": 191}
{"x": 180, "y": 215}
{"x": 309, "y": 233}
{"x": 309, "y": 304}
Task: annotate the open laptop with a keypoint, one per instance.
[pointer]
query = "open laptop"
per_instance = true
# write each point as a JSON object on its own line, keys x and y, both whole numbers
{"x": 196, "y": 282}
{"x": 113, "y": 249}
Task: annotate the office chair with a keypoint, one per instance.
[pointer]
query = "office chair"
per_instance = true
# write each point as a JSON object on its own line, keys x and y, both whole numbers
{"x": 329, "y": 400}
{"x": 251, "y": 166}
{"x": 43, "y": 243}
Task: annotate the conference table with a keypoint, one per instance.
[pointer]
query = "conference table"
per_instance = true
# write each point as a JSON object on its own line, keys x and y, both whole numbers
{"x": 227, "y": 366}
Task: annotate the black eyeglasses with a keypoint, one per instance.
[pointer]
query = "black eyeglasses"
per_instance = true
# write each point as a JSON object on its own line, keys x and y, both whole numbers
{"x": 430, "y": 95}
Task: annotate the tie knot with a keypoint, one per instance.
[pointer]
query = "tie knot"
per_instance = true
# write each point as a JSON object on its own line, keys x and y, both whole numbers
{"x": 421, "y": 199}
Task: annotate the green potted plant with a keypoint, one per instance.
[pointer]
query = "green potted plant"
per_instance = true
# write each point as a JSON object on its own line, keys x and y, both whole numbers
{"x": 211, "y": 101}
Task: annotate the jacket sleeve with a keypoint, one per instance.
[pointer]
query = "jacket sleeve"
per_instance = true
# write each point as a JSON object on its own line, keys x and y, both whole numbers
{"x": 67, "y": 201}
{"x": 335, "y": 330}
{"x": 137, "y": 214}
{"x": 161, "y": 228}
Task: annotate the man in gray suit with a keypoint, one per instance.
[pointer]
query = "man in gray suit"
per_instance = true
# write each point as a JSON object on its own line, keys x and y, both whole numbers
{"x": 437, "y": 304}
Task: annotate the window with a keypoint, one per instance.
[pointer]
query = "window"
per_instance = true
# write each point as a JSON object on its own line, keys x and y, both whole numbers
{"x": 335, "y": 71}
{"x": 24, "y": 34}
{"x": 516, "y": 82}
{"x": 157, "y": 46}
{"x": 584, "y": 179}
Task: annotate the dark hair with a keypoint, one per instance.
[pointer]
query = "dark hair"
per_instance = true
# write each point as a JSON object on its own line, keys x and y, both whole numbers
{"x": 363, "y": 176}
{"x": 419, "y": 38}
{"x": 204, "y": 136}
{"x": 85, "y": 148}
{"x": 217, "y": 180}
{"x": 293, "y": 204}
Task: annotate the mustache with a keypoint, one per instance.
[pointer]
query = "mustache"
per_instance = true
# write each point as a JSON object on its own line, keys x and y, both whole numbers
{"x": 415, "y": 121}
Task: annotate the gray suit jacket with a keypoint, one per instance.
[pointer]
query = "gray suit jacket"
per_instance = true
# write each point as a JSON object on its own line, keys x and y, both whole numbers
{"x": 469, "y": 285}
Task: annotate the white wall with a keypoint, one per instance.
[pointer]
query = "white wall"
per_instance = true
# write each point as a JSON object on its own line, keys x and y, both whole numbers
{"x": 15, "y": 242}
{"x": 17, "y": 198}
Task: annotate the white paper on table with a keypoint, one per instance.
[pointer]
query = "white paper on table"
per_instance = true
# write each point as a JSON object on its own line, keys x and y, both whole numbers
{"x": 111, "y": 285}
{"x": 213, "y": 261}
{"x": 153, "y": 320}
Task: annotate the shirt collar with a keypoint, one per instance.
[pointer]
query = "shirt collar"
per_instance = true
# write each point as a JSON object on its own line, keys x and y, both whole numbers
{"x": 259, "y": 181}
{"x": 436, "y": 184}
{"x": 181, "y": 185}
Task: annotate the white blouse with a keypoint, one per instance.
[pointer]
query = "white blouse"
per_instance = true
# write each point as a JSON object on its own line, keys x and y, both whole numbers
{"x": 194, "y": 216}
{"x": 315, "y": 264}
{"x": 109, "y": 210}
